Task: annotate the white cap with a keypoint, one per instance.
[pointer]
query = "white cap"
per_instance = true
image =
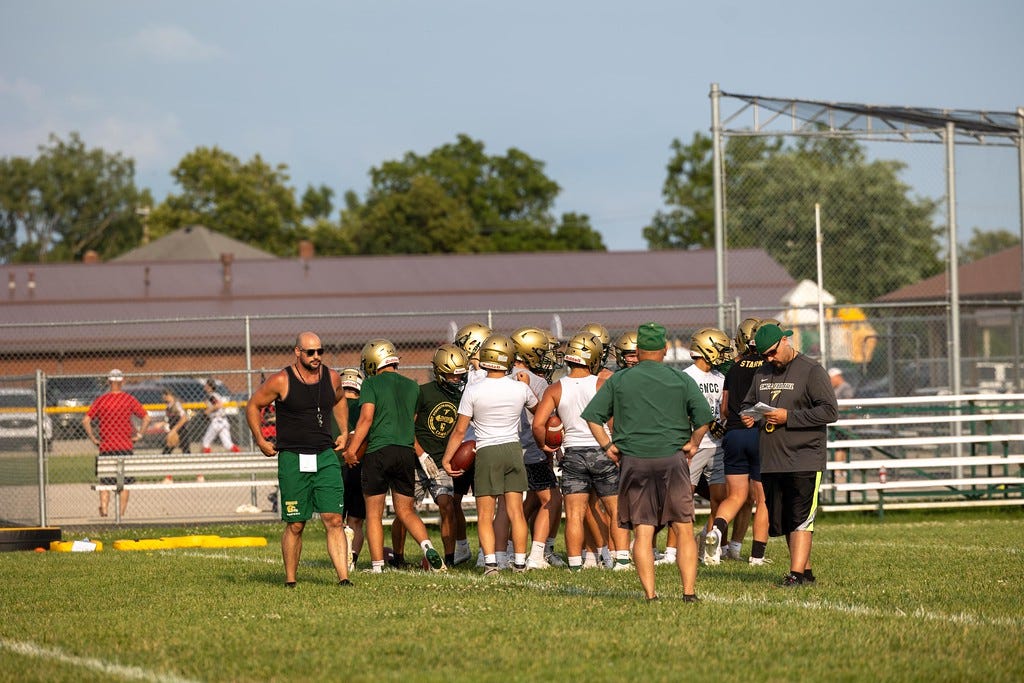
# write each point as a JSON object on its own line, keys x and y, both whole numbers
{"x": 115, "y": 375}
{"x": 832, "y": 372}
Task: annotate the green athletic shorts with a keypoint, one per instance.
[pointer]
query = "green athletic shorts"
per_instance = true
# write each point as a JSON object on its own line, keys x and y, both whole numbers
{"x": 303, "y": 493}
{"x": 499, "y": 469}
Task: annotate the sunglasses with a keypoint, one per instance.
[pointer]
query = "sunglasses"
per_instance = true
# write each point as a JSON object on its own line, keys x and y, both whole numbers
{"x": 770, "y": 353}
{"x": 313, "y": 352}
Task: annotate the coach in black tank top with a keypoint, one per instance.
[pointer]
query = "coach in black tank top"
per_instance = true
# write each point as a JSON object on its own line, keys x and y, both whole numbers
{"x": 305, "y": 395}
{"x": 303, "y": 421}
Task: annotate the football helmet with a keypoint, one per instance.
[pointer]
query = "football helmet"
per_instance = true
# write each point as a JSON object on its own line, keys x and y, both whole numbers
{"x": 471, "y": 336}
{"x": 352, "y": 378}
{"x": 585, "y": 349}
{"x": 711, "y": 344}
{"x": 745, "y": 333}
{"x": 623, "y": 345}
{"x": 533, "y": 347}
{"x": 497, "y": 352}
{"x": 376, "y": 354}
{"x": 449, "y": 359}
{"x": 601, "y": 332}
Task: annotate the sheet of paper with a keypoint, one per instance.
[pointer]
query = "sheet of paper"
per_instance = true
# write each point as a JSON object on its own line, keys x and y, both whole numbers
{"x": 758, "y": 411}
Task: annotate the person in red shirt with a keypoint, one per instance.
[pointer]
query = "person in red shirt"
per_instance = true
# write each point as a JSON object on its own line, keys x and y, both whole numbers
{"x": 114, "y": 410}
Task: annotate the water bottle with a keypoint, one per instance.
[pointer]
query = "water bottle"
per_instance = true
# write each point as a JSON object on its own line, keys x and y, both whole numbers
{"x": 883, "y": 475}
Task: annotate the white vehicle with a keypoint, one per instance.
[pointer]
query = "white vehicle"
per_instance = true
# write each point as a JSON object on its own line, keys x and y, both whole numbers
{"x": 19, "y": 420}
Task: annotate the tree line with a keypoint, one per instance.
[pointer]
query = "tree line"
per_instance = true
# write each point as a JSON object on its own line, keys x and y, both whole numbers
{"x": 69, "y": 199}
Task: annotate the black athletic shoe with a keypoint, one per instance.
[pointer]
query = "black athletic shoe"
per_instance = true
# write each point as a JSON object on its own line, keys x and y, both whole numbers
{"x": 809, "y": 578}
{"x": 345, "y": 582}
{"x": 289, "y": 584}
{"x": 792, "y": 580}
{"x": 691, "y": 598}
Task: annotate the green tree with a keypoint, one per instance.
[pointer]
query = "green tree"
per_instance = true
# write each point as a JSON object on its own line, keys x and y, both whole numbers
{"x": 67, "y": 200}
{"x": 986, "y": 243}
{"x": 877, "y": 238}
{"x": 248, "y": 201}
{"x": 459, "y": 198}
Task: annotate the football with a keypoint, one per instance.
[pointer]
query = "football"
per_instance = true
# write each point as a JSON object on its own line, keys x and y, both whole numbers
{"x": 553, "y": 438}
{"x": 464, "y": 455}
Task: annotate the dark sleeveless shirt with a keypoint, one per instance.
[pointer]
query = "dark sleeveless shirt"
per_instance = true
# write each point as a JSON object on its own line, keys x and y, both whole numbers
{"x": 297, "y": 429}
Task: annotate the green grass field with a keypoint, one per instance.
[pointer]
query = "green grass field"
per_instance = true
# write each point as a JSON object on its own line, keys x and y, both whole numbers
{"x": 918, "y": 597}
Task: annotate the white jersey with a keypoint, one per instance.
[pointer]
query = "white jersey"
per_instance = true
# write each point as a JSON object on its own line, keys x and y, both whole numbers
{"x": 472, "y": 377}
{"x": 495, "y": 406}
{"x": 576, "y": 394}
{"x": 711, "y": 385}
{"x": 531, "y": 452}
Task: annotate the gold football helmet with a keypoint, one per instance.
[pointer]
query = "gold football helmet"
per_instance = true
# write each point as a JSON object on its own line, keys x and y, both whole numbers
{"x": 745, "y": 333}
{"x": 471, "y": 336}
{"x": 623, "y": 345}
{"x": 377, "y": 353}
{"x": 533, "y": 347}
{"x": 711, "y": 344}
{"x": 352, "y": 378}
{"x": 449, "y": 360}
{"x": 497, "y": 352}
{"x": 585, "y": 349}
{"x": 601, "y": 332}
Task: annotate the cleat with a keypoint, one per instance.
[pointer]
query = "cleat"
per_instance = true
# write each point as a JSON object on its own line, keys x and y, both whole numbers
{"x": 758, "y": 561}
{"x": 691, "y": 598}
{"x": 713, "y": 547}
{"x": 663, "y": 560}
{"x": 491, "y": 570}
{"x": 480, "y": 559}
{"x": 518, "y": 568}
{"x": 622, "y": 566}
{"x": 537, "y": 564}
{"x": 730, "y": 553}
{"x": 554, "y": 560}
{"x": 461, "y": 555}
{"x": 435, "y": 560}
{"x": 345, "y": 582}
{"x": 792, "y": 580}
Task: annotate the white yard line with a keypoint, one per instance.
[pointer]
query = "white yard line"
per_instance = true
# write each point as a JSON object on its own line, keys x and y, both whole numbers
{"x": 132, "y": 673}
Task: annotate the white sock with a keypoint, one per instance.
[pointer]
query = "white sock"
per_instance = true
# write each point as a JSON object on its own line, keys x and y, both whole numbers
{"x": 622, "y": 555}
{"x": 490, "y": 559}
{"x": 377, "y": 566}
{"x": 536, "y": 551}
{"x": 520, "y": 559}
{"x": 575, "y": 560}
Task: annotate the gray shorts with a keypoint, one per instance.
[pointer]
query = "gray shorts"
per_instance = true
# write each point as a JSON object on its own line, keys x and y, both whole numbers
{"x": 589, "y": 469}
{"x": 441, "y": 485}
{"x": 655, "y": 491}
{"x": 709, "y": 462}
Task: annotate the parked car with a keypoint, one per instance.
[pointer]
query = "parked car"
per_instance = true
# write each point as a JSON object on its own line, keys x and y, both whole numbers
{"x": 19, "y": 420}
{"x": 71, "y": 396}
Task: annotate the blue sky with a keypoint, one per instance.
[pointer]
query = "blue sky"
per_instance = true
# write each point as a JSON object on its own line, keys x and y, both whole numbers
{"x": 597, "y": 90}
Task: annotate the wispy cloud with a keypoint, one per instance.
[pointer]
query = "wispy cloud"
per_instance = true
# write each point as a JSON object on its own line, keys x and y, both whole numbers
{"x": 22, "y": 91}
{"x": 174, "y": 45}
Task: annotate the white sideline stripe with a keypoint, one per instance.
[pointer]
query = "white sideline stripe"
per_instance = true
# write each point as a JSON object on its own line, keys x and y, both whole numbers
{"x": 133, "y": 673}
{"x": 963, "y": 618}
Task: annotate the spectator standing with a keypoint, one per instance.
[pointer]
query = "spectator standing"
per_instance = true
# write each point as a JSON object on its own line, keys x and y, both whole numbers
{"x": 176, "y": 418}
{"x": 654, "y": 407}
{"x": 801, "y": 404}
{"x": 114, "y": 411}
{"x": 842, "y": 388}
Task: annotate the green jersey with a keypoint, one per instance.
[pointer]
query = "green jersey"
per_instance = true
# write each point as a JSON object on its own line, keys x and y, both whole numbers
{"x": 394, "y": 400}
{"x": 655, "y": 408}
{"x": 436, "y": 413}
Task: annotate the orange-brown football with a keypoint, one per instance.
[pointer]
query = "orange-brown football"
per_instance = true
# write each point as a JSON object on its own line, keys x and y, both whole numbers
{"x": 464, "y": 455}
{"x": 553, "y": 437}
{"x": 361, "y": 451}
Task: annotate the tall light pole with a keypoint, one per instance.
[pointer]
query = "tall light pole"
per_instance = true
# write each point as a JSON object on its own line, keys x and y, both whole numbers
{"x": 143, "y": 211}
